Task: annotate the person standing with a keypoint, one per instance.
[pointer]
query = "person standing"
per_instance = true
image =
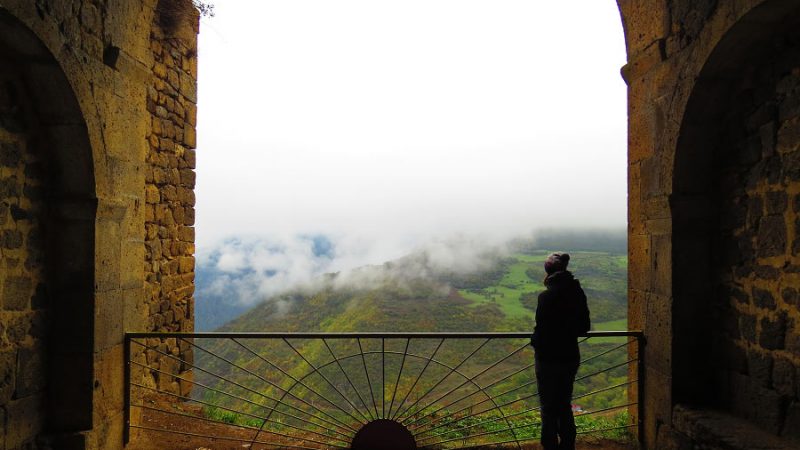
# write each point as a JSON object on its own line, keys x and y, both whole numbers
{"x": 561, "y": 316}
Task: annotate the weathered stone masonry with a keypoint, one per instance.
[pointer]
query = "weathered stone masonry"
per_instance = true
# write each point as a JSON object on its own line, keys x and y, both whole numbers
{"x": 712, "y": 186}
{"x": 757, "y": 187}
{"x": 96, "y": 213}
{"x": 169, "y": 195}
{"x": 24, "y": 309}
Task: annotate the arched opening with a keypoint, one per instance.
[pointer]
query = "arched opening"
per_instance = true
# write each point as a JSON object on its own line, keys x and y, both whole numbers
{"x": 735, "y": 222}
{"x": 47, "y": 214}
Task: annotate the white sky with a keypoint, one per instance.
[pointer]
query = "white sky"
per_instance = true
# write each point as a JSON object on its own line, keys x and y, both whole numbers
{"x": 394, "y": 121}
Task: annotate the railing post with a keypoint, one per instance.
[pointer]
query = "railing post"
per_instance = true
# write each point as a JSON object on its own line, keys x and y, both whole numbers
{"x": 126, "y": 431}
{"x": 640, "y": 343}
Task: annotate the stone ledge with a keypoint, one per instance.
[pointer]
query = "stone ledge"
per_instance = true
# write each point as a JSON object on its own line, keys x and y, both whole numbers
{"x": 718, "y": 430}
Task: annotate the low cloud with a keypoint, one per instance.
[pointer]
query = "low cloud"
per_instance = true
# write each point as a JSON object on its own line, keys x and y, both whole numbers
{"x": 245, "y": 271}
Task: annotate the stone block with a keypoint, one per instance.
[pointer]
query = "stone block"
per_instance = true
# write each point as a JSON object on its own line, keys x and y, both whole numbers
{"x": 771, "y": 240}
{"x": 783, "y": 377}
{"x": 747, "y": 328}
{"x": 661, "y": 249}
{"x": 109, "y": 255}
{"x": 791, "y": 166}
{"x": 17, "y": 292}
{"x": 30, "y": 372}
{"x": 767, "y": 272}
{"x": 639, "y": 254}
{"x": 109, "y": 387}
{"x": 759, "y": 368}
{"x": 764, "y": 298}
{"x": 152, "y": 194}
{"x": 790, "y": 296}
{"x": 636, "y": 309}
{"x": 109, "y": 320}
{"x": 8, "y": 359}
{"x": 24, "y": 421}
{"x": 658, "y": 330}
{"x": 10, "y": 155}
{"x": 777, "y": 202}
{"x": 791, "y": 425}
{"x": 788, "y": 136}
{"x": 773, "y": 332}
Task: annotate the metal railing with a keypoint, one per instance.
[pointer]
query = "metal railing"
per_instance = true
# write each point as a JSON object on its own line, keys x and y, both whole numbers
{"x": 341, "y": 390}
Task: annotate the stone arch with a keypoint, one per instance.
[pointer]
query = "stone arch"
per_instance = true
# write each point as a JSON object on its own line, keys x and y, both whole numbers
{"x": 732, "y": 220}
{"x": 52, "y": 204}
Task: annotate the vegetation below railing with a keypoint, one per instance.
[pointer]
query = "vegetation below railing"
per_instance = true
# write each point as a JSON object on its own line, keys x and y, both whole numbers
{"x": 446, "y": 389}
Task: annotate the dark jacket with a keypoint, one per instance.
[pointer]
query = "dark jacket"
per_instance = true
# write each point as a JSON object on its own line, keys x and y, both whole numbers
{"x": 561, "y": 316}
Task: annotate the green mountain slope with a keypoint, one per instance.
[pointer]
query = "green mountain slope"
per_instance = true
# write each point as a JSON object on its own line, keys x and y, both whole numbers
{"x": 411, "y": 294}
{"x": 393, "y": 297}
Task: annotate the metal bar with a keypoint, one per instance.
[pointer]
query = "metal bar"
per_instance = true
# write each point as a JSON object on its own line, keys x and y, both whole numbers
{"x": 218, "y": 377}
{"x": 247, "y": 427}
{"x": 368, "y": 335}
{"x": 608, "y": 369}
{"x": 399, "y": 372}
{"x": 601, "y": 430}
{"x": 269, "y": 408}
{"x": 201, "y": 402}
{"x": 529, "y": 410}
{"x": 126, "y": 431}
{"x": 624, "y": 344}
{"x": 411, "y": 389}
{"x": 481, "y": 446}
{"x": 441, "y": 380}
{"x": 344, "y": 372}
{"x": 588, "y": 394}
{"x": 260, "y": 377}
{"x": 519, "y": 413}
{"x": 455, "y": 370}
{"x": 232, "y": 382}
{"x": 316, "y": 370}
{"x": 486, "y": 369}
{"x": 205, "y": 436}
{"x": 485, "y": 433}
{"x": 525, "y": 384}
{"x": 534, "y": 438}
{"x": 296, "y": 382}
{"x": 383, "y": 378}
{"x": 507, "y": 403}
{"x": 488, "y": 386}
{"x": 640, "y": 387}
{"x": 610, "y": 408}
{"x": 430, "y": 430}
{"x": 366, "y": 372}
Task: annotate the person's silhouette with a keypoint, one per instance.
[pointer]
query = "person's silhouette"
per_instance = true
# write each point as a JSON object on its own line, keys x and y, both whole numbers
{"x": 561, "y": 316}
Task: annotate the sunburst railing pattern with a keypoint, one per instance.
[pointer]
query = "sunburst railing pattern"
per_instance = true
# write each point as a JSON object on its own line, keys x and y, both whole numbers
{"x": 368, "y": 390}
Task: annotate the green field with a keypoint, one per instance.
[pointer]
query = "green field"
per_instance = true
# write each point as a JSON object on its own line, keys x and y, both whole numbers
{"x": 602, "y": 275}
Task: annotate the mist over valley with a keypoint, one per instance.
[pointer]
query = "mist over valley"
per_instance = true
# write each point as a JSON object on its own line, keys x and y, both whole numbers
{"x": 319, "y": 283}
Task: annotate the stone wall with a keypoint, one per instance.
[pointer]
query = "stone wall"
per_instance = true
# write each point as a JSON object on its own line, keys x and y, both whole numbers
{"x": 169, "y": 193}
{"x": 756, "y": 353}
{"x": 689, "y": 62}
{"x": 24, "y": 305}
{"x": 110, "y": 90}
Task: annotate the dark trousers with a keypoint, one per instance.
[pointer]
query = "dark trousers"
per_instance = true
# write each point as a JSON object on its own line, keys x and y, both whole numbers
{"x": 555, "y": 380}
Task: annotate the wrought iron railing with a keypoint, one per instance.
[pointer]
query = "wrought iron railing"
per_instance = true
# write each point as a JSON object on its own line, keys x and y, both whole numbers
{"x": 369, "y": 390}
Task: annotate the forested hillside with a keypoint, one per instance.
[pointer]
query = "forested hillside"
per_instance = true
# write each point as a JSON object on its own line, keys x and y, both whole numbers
{"x": 414, "y": 294}
{"x": 388, "y": 298}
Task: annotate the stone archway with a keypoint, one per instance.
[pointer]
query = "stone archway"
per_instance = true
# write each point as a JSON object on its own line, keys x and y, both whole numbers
{"x": 735, "y": 212}
{"x": 47, "y": 217}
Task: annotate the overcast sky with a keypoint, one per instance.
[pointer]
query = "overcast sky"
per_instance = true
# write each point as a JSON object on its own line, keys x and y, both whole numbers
{"x": 389, "y": 122}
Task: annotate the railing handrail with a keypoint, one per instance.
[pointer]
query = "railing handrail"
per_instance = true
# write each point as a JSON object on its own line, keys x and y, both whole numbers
{"x": 367, "y": 334}
{"x": 131, "y": 338}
